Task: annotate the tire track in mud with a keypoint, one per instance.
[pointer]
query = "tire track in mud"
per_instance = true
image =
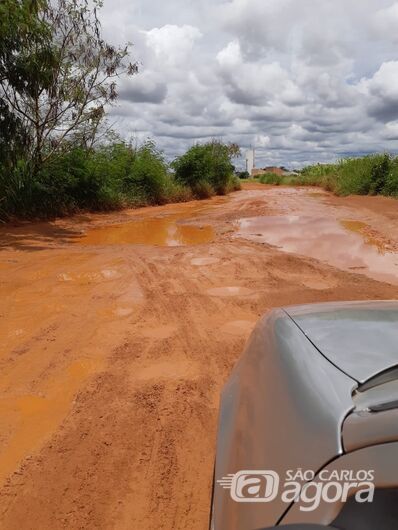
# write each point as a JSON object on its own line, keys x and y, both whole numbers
{"x": 135, "y": 447}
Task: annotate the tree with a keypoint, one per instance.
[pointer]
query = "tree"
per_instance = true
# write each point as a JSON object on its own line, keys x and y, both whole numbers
{"x": 20, "y": 30}
{"x": 58, "y": 82}
{"x": 234, "y": 150}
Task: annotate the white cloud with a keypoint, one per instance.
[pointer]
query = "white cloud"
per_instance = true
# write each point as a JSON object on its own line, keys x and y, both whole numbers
{"x": 230, "y": 56}
{"x": 304, "y": 80}
{"x": 390, "y": 131}
{"x": 385, "y": 22}
{"x": 382, "y": 92}
{"x": 172, "y": 44}
{"x": 262, "y": 141}
{"x": 256, "y": 82}
{"x": 384, "y": 83}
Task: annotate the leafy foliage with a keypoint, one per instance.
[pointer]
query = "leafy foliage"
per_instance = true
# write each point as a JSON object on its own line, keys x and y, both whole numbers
{"x": 109, "y": 177}
{"x": 375, "y": 174}
{"x": 57, "y": 76}
{"x": 57, "y": 73}
{"x": 20, "y": 30}
{"x": 206, "y": 168}
{"x": 271, "y": 178}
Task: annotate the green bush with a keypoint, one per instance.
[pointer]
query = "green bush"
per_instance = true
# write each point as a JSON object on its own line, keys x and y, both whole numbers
{"x": 148, "y": 175}
{"x": 202, "y": 189}
{"x": 111, "y": 177}
{"x": 205, "y": 167}
{"x": 391, "y": 184}
{"x": 369, "y": 175}
{"x": 271, "y": 178}
{"x": 65, "y": 185}
{"x": 380, "y": 173}
{"x": 323, "y": 175}
{"x": 108, "y": 178}
{"x": 354, "y": 175}
{"x": 233, "y": 184}
{"x": 16, "y": 190}
{"x": 176, "y": 192}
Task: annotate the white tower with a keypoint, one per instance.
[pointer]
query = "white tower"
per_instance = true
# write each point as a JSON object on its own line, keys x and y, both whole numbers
{"x": 250, "y": 161}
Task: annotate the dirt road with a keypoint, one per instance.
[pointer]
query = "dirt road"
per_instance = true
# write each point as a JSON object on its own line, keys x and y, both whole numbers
{"x": 119, "y": 330}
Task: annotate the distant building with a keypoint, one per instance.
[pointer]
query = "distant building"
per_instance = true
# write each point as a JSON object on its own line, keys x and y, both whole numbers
{"x": 280, "y": 171}
{"x": 250, "y": 155}
{"x": 255, "y": 172}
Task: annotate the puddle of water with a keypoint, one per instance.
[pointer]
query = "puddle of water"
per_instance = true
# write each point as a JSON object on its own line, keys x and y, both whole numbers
{"x": 229, "y": 291}
{"x": 159, "y": 231}
{"x": 363, "y": 229}
{"x": 346, "y": 244}
{"x": 86, "y": 278}
{"x": 83, "y": 278}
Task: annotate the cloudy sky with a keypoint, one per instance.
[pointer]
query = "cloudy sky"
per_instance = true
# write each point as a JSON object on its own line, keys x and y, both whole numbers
{"x": 300, "y": 80}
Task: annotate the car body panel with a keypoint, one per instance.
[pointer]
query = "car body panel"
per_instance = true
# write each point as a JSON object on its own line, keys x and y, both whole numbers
{"x": 282, "y": 408}
{"x": 362, "y": 429}
{"x": 300, "y": 527}
{"x": 383, "y": 459}
{"x": 316, "y": 386}
{"x": 361, "y": 338}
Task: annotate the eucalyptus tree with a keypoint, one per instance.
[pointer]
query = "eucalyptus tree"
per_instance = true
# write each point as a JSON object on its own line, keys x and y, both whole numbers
{"x": 61, "y": 75}
{"x": 21, "y": 32}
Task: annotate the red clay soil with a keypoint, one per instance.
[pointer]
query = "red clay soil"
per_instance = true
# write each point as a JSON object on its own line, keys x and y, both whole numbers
{"x": 114, "y": 352}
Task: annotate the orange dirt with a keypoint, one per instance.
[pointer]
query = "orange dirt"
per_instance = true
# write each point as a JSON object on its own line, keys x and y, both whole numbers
{"x": 114, "y": 354}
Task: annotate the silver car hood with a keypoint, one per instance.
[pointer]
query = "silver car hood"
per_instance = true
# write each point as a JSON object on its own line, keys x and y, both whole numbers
{"x": 360, "y": 338}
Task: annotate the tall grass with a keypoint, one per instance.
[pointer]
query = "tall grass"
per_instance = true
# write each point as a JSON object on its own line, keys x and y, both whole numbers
{"x": 369, "y": 175}
{"x": 272, "y": 178}
{"x": 375, "y": 174}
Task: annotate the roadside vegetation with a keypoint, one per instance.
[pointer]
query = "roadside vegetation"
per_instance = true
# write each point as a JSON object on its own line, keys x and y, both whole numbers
{"x": 375, "y": 174}
{"x": 207, "y": 169}
{"x": 58, "y": 155}
{"x": 273, "y": 178}
{"x": 112, "y": 176}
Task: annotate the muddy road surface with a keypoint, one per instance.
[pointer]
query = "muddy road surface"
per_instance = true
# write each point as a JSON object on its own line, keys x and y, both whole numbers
{"x": 119, "y": 330}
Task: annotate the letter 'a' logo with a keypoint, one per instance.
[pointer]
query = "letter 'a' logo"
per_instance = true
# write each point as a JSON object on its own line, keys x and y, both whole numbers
{"x": 252, "y": 486}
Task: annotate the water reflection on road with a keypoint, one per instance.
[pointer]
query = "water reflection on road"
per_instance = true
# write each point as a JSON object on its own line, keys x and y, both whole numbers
{"x": 347, "y": 244}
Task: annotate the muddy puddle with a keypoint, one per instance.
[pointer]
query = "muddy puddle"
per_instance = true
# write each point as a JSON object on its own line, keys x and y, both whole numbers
{"x": 347, "y": 244}
{"x": 168, "y": 231}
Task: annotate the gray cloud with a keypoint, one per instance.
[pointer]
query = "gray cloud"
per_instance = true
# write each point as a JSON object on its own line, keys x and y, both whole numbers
{"x": 302, "y": 80}
{"x": 143, "y": 89}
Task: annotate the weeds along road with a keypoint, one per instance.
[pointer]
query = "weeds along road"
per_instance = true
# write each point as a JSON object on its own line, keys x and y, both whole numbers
{"x": 118, "y": 331}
